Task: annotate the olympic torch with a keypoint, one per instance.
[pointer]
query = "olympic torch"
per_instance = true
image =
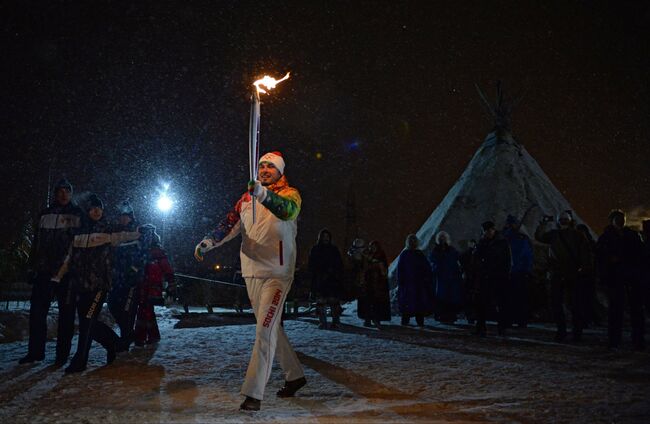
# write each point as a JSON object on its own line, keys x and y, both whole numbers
{"x": 254, "y": 128}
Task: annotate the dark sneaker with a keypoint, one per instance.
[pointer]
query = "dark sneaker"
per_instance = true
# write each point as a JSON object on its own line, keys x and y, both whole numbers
{"x": 74, "y": 367}
{"x": 28, "y": 359}
{"x": 291, "y": 387}
{"x": 250, "y": 404}
{"x": 110, "y": 356}
{"x": 59, "y": 362}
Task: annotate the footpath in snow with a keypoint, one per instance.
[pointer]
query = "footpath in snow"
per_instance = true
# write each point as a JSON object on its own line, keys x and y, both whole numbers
{"x": 438, "y": 374}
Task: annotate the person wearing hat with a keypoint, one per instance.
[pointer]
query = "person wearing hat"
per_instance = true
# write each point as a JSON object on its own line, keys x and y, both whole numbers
{"x": 88, "y": 267}
{"x": 326, "y": 269}
{"x": 414, "y": 283}
{"x": 357, "y": 263}
{"x": 156, "y": 269}
{"x": 444, "y": 260}
{"x": 52, "y": 237}
{"x": 570, "y": 260}
{"x": 492, "y": 261}
{"x": 520, "y": 273}
{"x": 268, "y": 259}
{"x": 620, "y": 252}
{"x": 645, "y": 264}
{"x": 127, "y": 273}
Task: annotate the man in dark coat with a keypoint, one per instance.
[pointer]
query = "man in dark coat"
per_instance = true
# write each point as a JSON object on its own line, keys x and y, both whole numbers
{"x": 326, "y": 268}
{"x": 492, "y": 261}
{"x": 447, "y": 279}
{"x": 570, "y": 260}
{"x": 414, "y": 283}
{"x": 522, "y": 267}
{"x": 620, "y": 251}
{"x": 645, "y": 267}
{"x": 54, "y": 233}
{"x": 373, "y": 305}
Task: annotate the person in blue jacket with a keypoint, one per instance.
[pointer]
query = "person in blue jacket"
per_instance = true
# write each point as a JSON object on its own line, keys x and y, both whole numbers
{"x": 447, "y": 278}
{"x": 414, "y": 283}
{"x": 127, "y": 272}
{"x": 520, "y": 273}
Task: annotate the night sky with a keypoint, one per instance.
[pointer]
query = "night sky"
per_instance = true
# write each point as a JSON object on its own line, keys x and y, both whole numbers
{"x": 381, "y": 103}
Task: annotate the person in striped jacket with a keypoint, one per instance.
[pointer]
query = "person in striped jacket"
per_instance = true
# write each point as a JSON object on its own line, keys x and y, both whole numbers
{"x": 56, "y": 225}
{"x": 268, "y": 258}
{"x": 88, "y": 266}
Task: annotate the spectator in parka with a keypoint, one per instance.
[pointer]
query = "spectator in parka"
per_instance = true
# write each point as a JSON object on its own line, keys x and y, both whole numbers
{"x": 520, "y": 273}
{"x": 645, "y": 267}
{"x": 414, "y": 283}
{"x": 128, "y": 272}
{"x": 466, "y": 260}
{"x": 374, "y": 299}
{"x": 447, "y": 279}
{"x": 357, "y": 260}
{"x": 55, "y": 229}
{"x": 620, "y": 251}
{"x": 326, "y": 268}
{"x": 590, "y": 304}
{"x": 157, "y": 269}
{"x": 88, "y": 265}
{"x": 492, "y": 264}
{"x": 570, "y": 261}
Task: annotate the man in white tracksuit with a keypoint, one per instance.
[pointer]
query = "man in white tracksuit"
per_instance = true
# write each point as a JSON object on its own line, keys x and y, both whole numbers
{"x": 268, "y": 258}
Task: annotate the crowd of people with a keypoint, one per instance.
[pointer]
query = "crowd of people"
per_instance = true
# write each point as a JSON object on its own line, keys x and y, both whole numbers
{"x": 491, "y": 279}
{"x": 83, "y": 260}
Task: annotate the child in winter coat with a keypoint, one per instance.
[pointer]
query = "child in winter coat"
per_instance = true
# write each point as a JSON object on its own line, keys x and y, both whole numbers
{"x": 157, "y": 269}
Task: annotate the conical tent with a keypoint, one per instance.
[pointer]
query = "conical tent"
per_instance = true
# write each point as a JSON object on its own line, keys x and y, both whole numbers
{"x": 501, "y": 179}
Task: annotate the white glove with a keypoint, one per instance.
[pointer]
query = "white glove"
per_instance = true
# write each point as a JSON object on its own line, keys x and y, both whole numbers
{"x": 256, "y": 189}
{"x": 200, "y": 250}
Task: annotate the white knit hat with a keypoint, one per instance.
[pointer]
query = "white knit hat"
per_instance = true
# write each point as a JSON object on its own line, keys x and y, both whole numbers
{"x": 276, "y": 159}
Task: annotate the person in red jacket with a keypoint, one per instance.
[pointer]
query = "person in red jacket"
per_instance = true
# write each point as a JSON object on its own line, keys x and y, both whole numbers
{"x": 157, "y": 269}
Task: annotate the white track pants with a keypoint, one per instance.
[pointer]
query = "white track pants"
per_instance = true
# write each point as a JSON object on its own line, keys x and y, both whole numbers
{"x": 267, "y": 298}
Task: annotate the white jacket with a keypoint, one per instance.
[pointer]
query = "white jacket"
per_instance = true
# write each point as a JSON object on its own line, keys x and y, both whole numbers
{"x": 268, "y": 248}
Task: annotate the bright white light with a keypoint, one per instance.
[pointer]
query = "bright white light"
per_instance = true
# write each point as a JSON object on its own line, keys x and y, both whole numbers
{"x": 165, "y": 203}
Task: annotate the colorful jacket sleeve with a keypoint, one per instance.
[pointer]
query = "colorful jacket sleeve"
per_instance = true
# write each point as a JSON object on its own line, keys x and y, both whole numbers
{"x": 229, "y": 227}
{"x": 284, "y": 205}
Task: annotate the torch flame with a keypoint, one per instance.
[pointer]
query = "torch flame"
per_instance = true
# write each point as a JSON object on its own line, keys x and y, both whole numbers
{"x": 268, "y": 82}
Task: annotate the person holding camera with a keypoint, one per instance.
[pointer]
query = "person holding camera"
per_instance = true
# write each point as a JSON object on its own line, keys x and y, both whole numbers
{"x": 620, "y": 252}
{"x": 570, "y": 261}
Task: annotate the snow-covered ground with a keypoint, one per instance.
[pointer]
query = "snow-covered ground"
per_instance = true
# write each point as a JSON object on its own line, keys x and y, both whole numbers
{"x": 439, "y": 374}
